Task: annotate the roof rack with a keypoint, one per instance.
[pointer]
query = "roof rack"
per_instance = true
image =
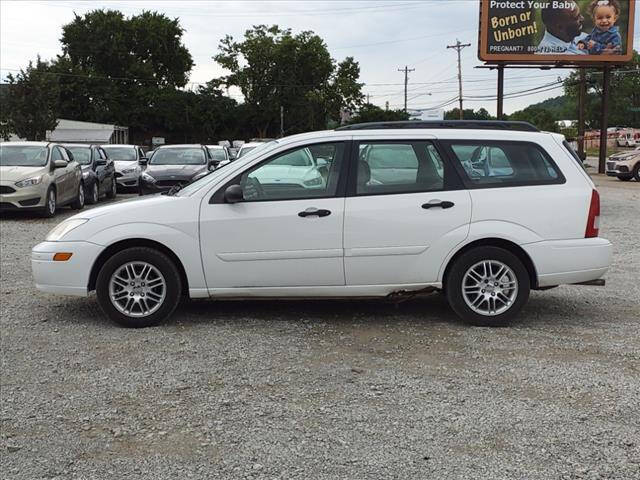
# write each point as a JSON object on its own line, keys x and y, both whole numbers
{"x": 453, "y": 124}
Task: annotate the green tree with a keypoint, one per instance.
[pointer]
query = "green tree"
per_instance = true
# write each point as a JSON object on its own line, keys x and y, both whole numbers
{"x": 624, "y": 97}
{"x": 114, "y": 69}
{"x": 468, "y": 114}
{"x": 275, "y": 69}
{"x": 540, "y": 117}
{"x": 30, "y": 107}
{"x": 372, "y": 113}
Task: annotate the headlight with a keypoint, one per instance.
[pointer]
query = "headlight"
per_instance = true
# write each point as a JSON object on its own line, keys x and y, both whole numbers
{"x": 29, "y": 182}
{"x": 148, "y": 178}
{"x": 313, "y": 182}
{"x": 65, "y": 227}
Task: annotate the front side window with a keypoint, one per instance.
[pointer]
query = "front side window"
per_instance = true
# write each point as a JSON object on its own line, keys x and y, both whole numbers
{"x": 504, "y": 163}
{"x": 56, "y": 154}
{"x": 306, "y": 172}
{"x": 21, "y": 156}
{"x": 178, "y": 156}
{"x": 398, "y": 167}
{"x": 82, "y": 155}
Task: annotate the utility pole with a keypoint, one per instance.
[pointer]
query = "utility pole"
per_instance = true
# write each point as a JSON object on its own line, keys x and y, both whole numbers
{"x": 406, "y": 71}
{"x": 459, "y": 46}
{"x": 368, "y": 98}
{"x": 582, "y": 93}
{"x": 281, "y": 121}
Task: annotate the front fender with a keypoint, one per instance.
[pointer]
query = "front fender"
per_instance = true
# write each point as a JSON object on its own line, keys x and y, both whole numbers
{"x": 184, "y": 245}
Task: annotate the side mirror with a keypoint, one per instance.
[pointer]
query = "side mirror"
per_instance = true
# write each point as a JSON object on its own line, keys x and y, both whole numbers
{"x": 213, "y": 164}
{"x": 143, "y": 161}
{"x": 321, "y": 162}
{"x": 101, "y": 162}
{"x": 233, "y": 194}
{"x": 60, "y": 164}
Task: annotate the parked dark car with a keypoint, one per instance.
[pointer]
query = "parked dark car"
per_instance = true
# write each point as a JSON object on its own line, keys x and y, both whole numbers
{"x": 98, "y": 171}
{"x": 174, "y": 166}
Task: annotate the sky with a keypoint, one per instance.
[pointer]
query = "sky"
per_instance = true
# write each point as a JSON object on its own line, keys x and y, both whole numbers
{"x": 383, "y": 36}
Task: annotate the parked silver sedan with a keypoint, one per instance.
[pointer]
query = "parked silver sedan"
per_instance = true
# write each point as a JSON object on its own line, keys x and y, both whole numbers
{"x": 39, "y": 176}
{"x": 125, "y": 159}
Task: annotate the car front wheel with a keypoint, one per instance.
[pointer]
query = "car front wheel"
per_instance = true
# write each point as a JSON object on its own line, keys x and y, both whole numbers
{"x": 138, "y": 287}
{"x": 487, "y": 286}
{"x": 636, "y": 172}
{"x": 49, "y": 209}
{"x": 94, "y": 195}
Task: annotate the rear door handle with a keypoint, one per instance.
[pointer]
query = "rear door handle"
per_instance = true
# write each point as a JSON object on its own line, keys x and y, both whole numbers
{"x": 445, "y": 204}
{"x": 310, "y": 212}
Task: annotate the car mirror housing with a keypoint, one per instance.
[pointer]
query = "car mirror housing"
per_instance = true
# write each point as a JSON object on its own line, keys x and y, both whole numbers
{"x": 233, "y": 194}
{"x": 143, "y": 161}
{"x": 60, "y": 164}
{"x": 101, "y": 162}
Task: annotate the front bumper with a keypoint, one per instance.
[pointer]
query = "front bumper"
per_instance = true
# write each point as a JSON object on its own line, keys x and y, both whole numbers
{"x": 127, "y": 180}
{"x": 559, "y": 262}
{"x": 64, "y": 278}
{"x": 23, "y": 198}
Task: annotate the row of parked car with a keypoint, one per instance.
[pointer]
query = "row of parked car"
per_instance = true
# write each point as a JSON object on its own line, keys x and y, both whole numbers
{"x": 43, "y": 176}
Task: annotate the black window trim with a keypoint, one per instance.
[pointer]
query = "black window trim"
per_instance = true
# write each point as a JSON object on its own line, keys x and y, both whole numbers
{"x": 451, "y": 181}
{"x": 470, "y": 185}
{"x": 218, "y": 195}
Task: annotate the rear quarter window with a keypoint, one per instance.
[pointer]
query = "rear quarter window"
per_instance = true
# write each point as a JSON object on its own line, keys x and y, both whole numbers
{"x": 490, "y": 164}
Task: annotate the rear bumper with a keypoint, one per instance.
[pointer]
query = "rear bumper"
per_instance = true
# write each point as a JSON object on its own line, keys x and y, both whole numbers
{"x": 64, "y": 278}
{"x": 560, "y": 262}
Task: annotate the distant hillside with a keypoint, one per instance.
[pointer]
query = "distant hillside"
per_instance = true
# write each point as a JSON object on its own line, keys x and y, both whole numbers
{"x": 560, "y": 107}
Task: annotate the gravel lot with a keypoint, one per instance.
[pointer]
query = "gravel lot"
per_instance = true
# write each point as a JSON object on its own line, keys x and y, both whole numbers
{"x": 324, "y": 390}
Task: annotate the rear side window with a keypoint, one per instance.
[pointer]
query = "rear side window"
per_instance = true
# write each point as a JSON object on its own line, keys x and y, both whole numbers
{"x": 503, "y": 164}
{"x": 398, "y": 167}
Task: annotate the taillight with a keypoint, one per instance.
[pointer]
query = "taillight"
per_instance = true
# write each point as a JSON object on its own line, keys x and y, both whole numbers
{"x": 593, "y": 220}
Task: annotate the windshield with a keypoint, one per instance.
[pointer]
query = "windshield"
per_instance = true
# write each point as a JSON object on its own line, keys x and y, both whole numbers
{"x": 126, "y": 154}
{"x": 178, "y": 156}
{"x": 198, "y": 184}
{"x": 23, "y": 156}
{"x": 82, "y": 155}
{"x": 217, "y": 154}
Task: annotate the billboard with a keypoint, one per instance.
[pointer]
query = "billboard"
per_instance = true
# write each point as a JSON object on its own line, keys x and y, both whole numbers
{"x": 551, "y": 31}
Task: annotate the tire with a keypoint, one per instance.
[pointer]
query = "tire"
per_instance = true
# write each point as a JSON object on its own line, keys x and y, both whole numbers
{"x": 78, "y": 203}
{"x": 111, "y": 194}
{"x": 459, "y": 277}
{"x": 135, "y": 316}
{"x": 636, "y": 172}
{"x": 49, "y": 209}
{"x": 625, "y": 178}
{"x": 94, "y": 196}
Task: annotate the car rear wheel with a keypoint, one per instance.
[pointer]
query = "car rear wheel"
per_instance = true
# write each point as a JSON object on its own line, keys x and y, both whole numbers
{"x": 112, "y": 191}
{"x": 94, "y": 196}
{"x": 487, "y": 286}
{"x": 78, "y": 203}
{"x": 49, "y": 209}
{"x": 138, "y": 287}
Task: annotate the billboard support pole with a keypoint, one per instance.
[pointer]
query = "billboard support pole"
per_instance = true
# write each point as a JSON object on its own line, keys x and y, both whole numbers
{"x": 581, "y": 99}
{"x": 603, "y": 119}
{"x": 500, "y": 91}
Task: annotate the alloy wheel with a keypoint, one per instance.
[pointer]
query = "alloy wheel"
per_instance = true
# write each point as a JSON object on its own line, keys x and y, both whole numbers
{"x": 137, "y": 289}
{"x": 489, "y": 287}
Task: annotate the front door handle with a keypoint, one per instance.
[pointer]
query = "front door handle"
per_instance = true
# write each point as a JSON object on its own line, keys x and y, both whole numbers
{"x": 309, "y": 212}
{"x": 445, "y": 204}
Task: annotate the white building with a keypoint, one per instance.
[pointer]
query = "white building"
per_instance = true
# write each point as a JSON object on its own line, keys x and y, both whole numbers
{"x": 435, "y": 114}
{"x": 74, "y": 131}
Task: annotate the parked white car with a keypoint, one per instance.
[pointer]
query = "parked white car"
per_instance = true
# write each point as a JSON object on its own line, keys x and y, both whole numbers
{"x": 374, "y": 229}
{"x": 126, "y": 160}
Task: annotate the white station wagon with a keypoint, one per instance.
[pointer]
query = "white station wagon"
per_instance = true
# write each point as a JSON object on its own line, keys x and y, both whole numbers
{"x": 401, "y": 208}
